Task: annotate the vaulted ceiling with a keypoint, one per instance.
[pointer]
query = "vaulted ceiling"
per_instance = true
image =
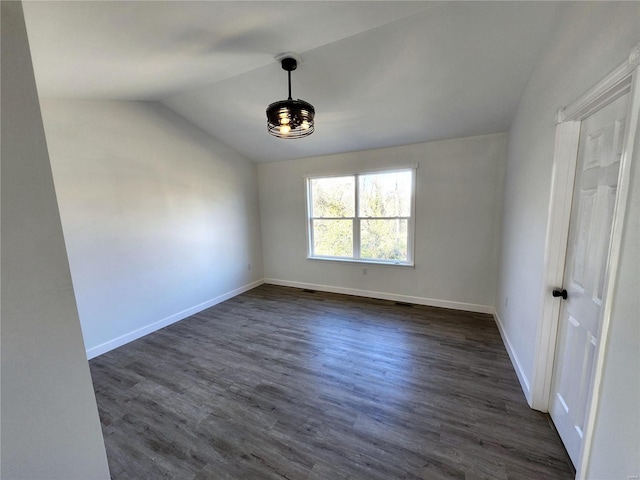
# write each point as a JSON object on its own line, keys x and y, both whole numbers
{"x": 379, "y": 73}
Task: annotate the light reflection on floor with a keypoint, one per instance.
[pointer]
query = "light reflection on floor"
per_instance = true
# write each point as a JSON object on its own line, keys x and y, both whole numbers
{"x": 338, "y": 343}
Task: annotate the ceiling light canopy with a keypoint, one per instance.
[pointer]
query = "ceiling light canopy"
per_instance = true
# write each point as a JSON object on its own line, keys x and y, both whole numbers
{"x": 290, "y": 118}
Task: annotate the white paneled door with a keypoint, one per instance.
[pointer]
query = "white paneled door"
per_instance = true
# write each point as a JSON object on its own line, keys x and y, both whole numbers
{"x": 585, "y": 274}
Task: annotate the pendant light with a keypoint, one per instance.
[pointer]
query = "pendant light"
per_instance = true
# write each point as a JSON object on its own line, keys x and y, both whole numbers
{"x": 290, "y": 118}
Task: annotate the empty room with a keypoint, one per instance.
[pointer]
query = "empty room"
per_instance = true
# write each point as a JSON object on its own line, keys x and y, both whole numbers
{"x": 307, "y": 240}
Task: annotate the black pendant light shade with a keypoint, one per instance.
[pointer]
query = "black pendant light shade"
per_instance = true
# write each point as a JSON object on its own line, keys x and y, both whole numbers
{"x": 290, "y": 118}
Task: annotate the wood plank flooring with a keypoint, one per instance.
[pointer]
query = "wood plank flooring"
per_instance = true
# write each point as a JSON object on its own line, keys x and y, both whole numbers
{"x": 283, "y": 383}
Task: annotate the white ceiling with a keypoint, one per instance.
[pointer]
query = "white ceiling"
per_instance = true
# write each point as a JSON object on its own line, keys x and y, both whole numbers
{"x": 379, "y": 73}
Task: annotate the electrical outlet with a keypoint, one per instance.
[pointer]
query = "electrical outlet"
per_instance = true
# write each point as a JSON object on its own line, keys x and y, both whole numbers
{"x": 249, "y": 267}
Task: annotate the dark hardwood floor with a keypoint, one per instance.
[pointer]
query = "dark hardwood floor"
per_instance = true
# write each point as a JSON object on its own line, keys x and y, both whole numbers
{"x": 282, "y": 383}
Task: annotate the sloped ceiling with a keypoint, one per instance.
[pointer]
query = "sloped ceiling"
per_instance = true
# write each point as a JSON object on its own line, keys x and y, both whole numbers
{"x": 380, "y": 74}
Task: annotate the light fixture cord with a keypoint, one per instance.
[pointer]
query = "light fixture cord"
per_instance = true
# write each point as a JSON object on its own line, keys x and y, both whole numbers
{"x": 289, "y": 74}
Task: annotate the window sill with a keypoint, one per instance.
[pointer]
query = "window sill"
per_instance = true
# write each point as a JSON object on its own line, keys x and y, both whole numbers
{"x": 360, "y": 262}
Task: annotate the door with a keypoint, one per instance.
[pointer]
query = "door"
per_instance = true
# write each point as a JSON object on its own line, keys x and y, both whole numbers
{"x": 599, "y": 154}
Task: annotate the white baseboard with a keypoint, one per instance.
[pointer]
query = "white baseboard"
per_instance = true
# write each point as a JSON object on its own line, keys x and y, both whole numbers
{"x": 152, "y": 327}
{"x": 522, "y": 377}
{"x": 469, "y": 307}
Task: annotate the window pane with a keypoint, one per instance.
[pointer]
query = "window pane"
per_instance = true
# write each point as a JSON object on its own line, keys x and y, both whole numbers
{"x": 333, "y": 197}
{"x": 384, "y": 239}
{"x": 385, "y": 194}
{"x": 333, "y": 238}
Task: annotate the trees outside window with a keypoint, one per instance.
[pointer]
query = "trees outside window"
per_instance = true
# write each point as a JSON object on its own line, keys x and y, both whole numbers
{"x": 362, "y": 217}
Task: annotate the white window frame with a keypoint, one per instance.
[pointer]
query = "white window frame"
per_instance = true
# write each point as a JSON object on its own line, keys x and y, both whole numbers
{"x": 356, "y": 219}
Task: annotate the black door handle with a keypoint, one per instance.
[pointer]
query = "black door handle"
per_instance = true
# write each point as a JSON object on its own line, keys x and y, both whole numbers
{"x": 559, "y": 293}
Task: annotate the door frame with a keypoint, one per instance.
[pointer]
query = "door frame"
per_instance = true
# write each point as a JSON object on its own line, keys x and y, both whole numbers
{"x": 625, "y": 78}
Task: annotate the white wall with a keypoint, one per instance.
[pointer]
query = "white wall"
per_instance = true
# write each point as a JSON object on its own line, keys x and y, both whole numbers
{"x": 160, "y": 219}
{"x": 458, "y": 207}
{"x": 50, "y": 426}
{"x": 590, "y": 40}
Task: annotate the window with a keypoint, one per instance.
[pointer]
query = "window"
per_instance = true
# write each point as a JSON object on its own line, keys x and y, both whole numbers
{"x": 363, "y": 217}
